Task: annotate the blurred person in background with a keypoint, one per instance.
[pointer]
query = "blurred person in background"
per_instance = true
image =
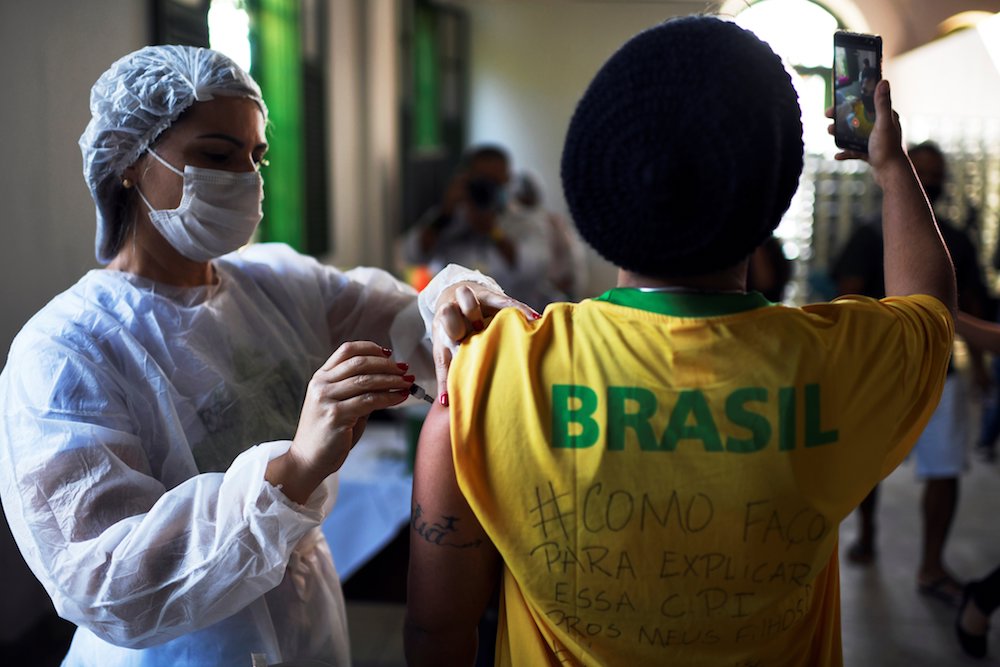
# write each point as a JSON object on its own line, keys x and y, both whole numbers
{"x": 770, "y": 270}
{"x": 941, "y": 450}
{"x": 476, "y": 226}
{"x": 980, "y": 597}
{"x": 567, "y": 256}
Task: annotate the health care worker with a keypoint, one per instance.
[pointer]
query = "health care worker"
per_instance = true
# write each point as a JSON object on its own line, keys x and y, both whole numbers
{"x": 146, "y": 469}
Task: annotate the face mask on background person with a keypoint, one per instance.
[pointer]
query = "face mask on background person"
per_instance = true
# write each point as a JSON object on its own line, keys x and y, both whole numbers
{"x": 487, "y": 195}
{"x": 218, "y": 213}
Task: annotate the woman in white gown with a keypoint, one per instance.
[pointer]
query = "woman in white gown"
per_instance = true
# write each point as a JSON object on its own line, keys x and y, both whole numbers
{"x": 168, "y": 448}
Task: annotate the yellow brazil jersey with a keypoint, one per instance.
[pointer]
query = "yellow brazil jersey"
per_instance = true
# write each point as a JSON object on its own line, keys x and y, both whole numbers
{"x": 664, "y": 474}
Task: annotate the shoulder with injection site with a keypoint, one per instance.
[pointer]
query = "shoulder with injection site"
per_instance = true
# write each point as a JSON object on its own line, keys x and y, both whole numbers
{"x": 510, "y": 336}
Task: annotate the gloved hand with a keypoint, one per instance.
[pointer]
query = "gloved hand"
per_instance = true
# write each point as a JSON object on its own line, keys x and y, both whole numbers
{"x": 464, "y": 309}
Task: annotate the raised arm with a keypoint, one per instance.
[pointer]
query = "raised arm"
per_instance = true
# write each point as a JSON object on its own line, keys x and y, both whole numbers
{"x": 916, "y": 259}
{"x": 454, "y": 567}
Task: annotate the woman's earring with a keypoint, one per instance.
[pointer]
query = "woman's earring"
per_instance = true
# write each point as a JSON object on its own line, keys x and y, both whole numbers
{"x": 126, "y": 183}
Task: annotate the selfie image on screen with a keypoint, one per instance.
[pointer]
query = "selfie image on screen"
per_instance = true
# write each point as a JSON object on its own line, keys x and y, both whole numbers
{"x": 855, "y": 78}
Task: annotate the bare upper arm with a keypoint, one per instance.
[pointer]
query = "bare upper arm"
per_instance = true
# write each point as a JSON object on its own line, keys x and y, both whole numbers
{"x": 454, "y": 567}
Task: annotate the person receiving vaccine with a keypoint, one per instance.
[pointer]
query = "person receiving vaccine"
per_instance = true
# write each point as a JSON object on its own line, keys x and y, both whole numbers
{"x": 172, "y": 424}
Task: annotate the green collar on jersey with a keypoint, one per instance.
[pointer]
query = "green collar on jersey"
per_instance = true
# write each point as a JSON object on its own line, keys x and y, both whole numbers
{"x": 685, "y": 304}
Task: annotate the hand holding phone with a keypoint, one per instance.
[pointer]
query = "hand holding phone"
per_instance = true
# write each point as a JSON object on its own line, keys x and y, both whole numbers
{"x": 857, "y": 69}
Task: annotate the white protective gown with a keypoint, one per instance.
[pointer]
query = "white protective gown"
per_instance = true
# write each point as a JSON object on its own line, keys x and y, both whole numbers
{"x": 137, "y": 422}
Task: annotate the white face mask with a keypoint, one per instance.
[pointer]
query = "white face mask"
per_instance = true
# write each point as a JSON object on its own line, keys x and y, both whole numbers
{"x": 218, "y": 213}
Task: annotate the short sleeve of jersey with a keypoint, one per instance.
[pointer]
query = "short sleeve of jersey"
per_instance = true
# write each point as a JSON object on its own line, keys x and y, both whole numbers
{"x": 888, "y": 360}
{"x": 928, "y": 332}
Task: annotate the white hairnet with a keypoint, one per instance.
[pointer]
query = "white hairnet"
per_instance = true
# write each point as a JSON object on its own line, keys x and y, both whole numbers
{"x": 139, "y": 96}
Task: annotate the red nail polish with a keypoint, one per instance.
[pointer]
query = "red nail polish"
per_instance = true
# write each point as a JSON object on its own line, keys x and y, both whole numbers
{"x": 386, "y": 351}
{"x": 478, "y": 325}
{"x": 409, "y": 378}
{"x": 444, "y": 399}
{"x": 537, "y": 316}
{"x": 402, "y": 366}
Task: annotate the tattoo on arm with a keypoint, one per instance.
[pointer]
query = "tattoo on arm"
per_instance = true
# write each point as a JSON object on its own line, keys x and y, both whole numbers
{"x": 439, "y": 534}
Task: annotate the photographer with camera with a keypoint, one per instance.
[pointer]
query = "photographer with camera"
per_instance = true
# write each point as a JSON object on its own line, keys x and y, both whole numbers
{"x": 476, "y": 226}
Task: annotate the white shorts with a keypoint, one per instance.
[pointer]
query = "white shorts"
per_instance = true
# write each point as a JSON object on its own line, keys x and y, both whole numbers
{"x": 941, "y": 448}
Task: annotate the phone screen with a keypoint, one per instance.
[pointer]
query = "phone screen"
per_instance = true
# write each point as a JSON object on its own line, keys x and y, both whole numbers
{"x": 857, "y": 69}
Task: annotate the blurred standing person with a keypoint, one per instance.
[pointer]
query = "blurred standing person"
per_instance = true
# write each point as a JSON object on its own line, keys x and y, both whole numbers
{"x": 981, "y": 597}
{"x": 941, "y": 450}
{"x": 568, "y": 257}
{"x": 770, "y": 270}
{"x": 986, "y": 443}
{"x": 858, "y": 270}
{"x": 476, "y": 226}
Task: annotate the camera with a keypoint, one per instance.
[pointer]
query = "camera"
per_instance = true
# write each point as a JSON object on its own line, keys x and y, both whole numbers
{"x": 485, "y": 194}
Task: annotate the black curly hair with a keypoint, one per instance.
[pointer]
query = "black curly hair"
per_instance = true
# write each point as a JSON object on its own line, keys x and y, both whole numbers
{"x": 685, "y": 150}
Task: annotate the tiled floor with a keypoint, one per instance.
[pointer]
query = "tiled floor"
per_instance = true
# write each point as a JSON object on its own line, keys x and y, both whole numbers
{"x": 885, "y": 621}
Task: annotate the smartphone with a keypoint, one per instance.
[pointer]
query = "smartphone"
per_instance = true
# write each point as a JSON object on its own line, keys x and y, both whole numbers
{"x": 857, "y": 69}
